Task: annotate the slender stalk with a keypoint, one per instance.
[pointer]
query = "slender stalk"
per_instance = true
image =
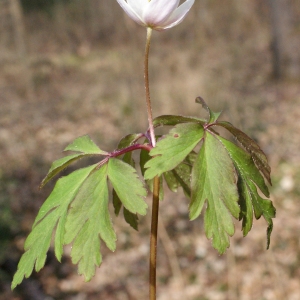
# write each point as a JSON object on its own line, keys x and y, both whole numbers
{"x": 147, "y": 89}
{"x": 156, "y": 185}
{"x": 153, "y": 239}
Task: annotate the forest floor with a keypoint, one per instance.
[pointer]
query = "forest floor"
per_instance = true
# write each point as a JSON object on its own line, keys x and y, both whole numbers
{"x": 55, "y": 98}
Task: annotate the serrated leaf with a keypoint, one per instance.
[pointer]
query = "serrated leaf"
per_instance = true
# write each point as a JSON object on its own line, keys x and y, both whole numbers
{"x": 59, "y": 165}
{"x": 131, "y": 219}
{"x": 213, "y": 182}
{"x": 245, "y": 201}
{"x": 245, "y": 165}
{"x": 88, "y": 221}
{"x": 172, "y": 120}
{"x": 183, "y": 173}
{"x": 171, "y": 181}
{"x": 116, "y": 203}
{"x": 129, "y": 140}
{"x": 52, "y": 213}
{"x": 252, "y": 147}
{"x": 127, "y": 158}
{"x": 144, "y": 158}
{"x": 213, "y": 116}
{"x": 250, "y": 201}
{"x": 128, "y": 186}
{"x": 173, "y": 149}
{"x": 262, "y": 207}
{"x": 85, "y": 145}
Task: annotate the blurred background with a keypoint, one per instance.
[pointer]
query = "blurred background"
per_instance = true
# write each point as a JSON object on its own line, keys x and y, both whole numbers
{"x": 75, "y": 67}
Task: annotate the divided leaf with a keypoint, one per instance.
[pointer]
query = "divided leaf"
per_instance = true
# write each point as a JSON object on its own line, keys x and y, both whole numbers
{"x": 87, "y": 221}
{"x": 116, "y": 203}
{"x": 213, "y": 116}
{"x": 222, "y": 176}
{"x": 144, "y": 158}
{"x": 264, "y": 207}
{"x": 129, "y": 140}
{"x": 171, "y": 181}
{"x": 245, "y": 165}
{"x": 130, "y": 218}
{"x": 128, "y": 186}
{"x": 252, "y": 147}
{"x": 59, "y": 165}
{"x": 173, "y": 149}
{"x": 213, "y": 182}
{"x": 172, "y": 120}
{"x": 52, "y": 214}
{"x": 249, "y": 178}
{"x": 182, "y": 173}
{"x": 85, "y": 145}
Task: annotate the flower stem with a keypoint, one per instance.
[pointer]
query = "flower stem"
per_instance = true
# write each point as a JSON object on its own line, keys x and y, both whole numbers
{"x": 156, "y": 185}
{"x": 153, "y": 238}
{"x": 147, "y": 89}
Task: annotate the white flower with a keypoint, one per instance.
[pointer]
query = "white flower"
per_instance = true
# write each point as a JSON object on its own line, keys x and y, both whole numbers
{"x": 156, "y": 14}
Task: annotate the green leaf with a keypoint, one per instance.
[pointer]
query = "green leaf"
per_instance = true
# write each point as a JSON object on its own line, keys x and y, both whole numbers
{"x": 131, "y": 219}
{"x": 85, "y": 145}
{"x": 213, "y": 182}
{"x": 171, "y": 181}
{"x": 52, "y": 214}
{"x": 172, "y": 120}
{"x": 116, "y": 203}
{"x": 87, "y": 221}
{"x": 144, "y": 158}
{"x": 252, "y": 147}
{"x": 261, "y": 207}
{"x": 129, "y": 140}
{"x": 213, "y": 116}
{"x": 173, "y": 149}
{"x": 59, "y": 165}
{"x": 245, "y": 165}
{"x": 128, "y": 186}
{"x": 245, "y": 201}
{"x": 249, "y": 176}
{"x": 183, "y": 173}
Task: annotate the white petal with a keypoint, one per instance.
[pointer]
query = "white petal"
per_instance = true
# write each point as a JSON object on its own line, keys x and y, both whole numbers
{"x": 130, "y": 12}
{"x": 178, "y": 15}
{"x": 138, "y": 6}
{"x": 158, "y": 11}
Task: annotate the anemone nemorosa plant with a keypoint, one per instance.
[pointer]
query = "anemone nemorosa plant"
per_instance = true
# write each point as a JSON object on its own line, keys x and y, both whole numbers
{"x": 222, "y": 179}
